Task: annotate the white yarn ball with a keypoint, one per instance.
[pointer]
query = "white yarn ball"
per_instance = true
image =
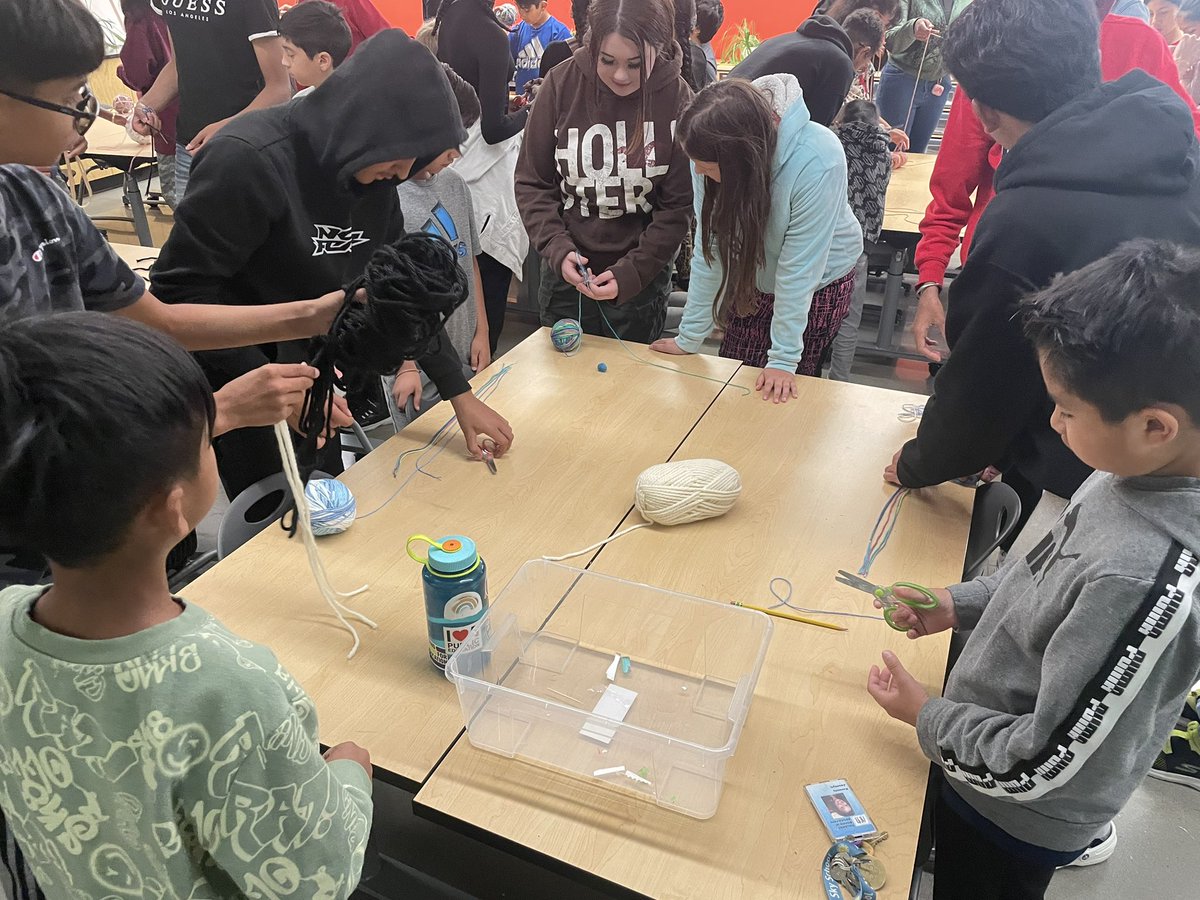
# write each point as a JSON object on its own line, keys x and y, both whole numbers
{"x": 331, "y": 506}
{"x": 676, "y": 493}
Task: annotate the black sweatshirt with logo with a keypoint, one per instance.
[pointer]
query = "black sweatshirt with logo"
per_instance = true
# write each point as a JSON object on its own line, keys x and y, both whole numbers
{"x": 273, "y": 214}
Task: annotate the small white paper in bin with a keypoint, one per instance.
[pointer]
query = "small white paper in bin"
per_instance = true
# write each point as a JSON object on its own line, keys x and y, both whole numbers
{"x": 613, "y": 704}
{"x": 612, "y": 669}
{"x": 615, "y": 770}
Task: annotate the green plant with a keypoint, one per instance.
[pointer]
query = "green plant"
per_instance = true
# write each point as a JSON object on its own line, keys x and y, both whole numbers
{"x": 740, "y": 44}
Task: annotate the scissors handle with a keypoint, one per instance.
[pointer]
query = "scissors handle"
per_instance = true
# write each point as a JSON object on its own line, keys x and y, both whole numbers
{"x": 891, "y": 602}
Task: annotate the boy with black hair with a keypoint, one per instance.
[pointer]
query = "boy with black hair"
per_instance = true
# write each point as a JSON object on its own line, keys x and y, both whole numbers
{"x": 529, "y": 40}
{"x": 1032, "y": 71}
{"x": 710, "y": 16}
{"x": 1081, "y": 653}
{"x": 187, "y": 759}
{"x": 438, "y": 201}
{"x": 302, "y": 195}
{"x": 52, "y": 258}
{"x": 316, "y": 40}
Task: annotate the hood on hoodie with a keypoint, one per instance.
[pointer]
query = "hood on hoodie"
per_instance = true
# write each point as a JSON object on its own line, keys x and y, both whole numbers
{"x": 824, "y": 28}
{"x": 793, "y": 119}
{"x": 664, "y": 73}
{"x": 1098, "y": 143}
{"x": 390, "y": 100}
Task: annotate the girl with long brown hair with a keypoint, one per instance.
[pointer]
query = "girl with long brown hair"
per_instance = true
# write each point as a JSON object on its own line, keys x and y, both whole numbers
{"x": 776, "y": 241}
{"x": 604, "y": 188}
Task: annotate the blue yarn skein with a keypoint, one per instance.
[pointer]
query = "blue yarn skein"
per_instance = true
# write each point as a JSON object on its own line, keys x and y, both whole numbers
{"x": 331, "y": 506}
{"x": 566, "y": 335}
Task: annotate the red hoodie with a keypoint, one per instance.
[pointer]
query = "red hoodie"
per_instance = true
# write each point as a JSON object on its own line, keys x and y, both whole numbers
{"x": 967, "y": 161}
{"x": 363, "y": 18}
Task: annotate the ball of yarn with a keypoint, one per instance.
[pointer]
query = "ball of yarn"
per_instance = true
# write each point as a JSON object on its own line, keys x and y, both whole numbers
{"x": 506, "y": 15}
{"x": 331, "y": 506}
{"x": 689, "y": 490}
{"x": 566, "y": 335}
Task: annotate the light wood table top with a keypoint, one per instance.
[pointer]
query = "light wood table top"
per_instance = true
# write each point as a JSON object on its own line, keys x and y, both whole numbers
{"x": 582, "y": 437}
{"x": 137, "y": 257}
{"x": 908, "y": 194}
{"x": 110, "y": 140}
{"x": 811, "y": 494}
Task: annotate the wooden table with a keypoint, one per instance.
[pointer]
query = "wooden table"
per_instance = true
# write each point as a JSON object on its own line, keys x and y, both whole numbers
{"x": 111, "y": 146}
{"x": 811, "y": 493}
{"x": 582, "y": 437}
{"x": 138, "y": 258}
{"x": 907, "y": 198}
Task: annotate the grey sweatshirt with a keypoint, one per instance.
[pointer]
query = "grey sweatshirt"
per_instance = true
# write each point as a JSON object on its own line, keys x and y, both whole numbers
{"x": 1078, "y": 663}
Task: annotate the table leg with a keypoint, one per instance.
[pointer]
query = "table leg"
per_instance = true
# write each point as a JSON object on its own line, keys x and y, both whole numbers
{"x": 137, "y": 210}
{"x": 892, "y": 292}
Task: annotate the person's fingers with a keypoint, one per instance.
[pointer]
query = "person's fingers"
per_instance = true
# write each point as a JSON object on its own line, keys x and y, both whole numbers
{"x": 297, "y": 370}
{"x": 472, "y": 439}
{"x": 503, "y": 437}
{"x": 895, "y": 667}
{"x": 603, "y": 278}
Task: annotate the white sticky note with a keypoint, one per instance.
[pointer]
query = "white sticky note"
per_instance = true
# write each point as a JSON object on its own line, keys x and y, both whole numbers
{"x": 614, "y": 704}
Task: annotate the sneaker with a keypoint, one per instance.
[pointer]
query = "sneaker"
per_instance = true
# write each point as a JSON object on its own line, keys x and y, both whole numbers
{"x": 1097, "y": 851}
{"x": 1179, "y": 761}
{"x": 1189, "y": 707}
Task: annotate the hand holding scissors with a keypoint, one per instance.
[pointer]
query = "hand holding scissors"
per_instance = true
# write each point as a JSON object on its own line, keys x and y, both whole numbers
{"x": 908, "y": 607}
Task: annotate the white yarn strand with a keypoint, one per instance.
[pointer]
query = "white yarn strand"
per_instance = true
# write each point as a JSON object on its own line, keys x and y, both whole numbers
{"x": 676, "y": 493}
{"x": 291, "y": 471}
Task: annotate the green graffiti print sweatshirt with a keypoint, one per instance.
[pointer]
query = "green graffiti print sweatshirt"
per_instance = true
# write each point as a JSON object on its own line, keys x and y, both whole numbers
{"x": 181, "y": 761}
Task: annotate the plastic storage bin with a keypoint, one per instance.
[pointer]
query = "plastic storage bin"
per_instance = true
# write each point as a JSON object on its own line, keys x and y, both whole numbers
{"x": 530, "y": 676}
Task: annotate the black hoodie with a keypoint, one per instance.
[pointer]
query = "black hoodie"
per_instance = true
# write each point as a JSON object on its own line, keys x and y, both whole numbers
{"x": 819, "y": 53}
{"x": 273, "y": 213}
{"x": 1118, "y": 164}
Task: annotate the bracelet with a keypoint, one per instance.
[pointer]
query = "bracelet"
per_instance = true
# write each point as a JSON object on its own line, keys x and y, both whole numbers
{"x": 928, "y": 284}
{"x": 145, "y": 107}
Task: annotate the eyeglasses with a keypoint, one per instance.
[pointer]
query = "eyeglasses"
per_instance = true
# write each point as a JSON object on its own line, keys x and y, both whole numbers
{"x": 84, "y": 112}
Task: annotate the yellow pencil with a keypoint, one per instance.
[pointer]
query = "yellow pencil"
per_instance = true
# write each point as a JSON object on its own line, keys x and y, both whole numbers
{"x": 783, "y": 615}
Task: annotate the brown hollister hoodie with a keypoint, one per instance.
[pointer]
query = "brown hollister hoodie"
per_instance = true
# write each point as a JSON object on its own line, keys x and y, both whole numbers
{"x": 578, "y": 188}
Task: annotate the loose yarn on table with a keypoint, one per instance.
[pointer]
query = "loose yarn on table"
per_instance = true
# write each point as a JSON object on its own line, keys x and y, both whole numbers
{"x": 882, "y": 532}
{"x": 676, "y": 493}
{"x": 331, "y": 504}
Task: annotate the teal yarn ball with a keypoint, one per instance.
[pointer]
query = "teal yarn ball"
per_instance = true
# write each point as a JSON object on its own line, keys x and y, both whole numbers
{"x": 566, "y": 335}
{"x": 331, "y": 506}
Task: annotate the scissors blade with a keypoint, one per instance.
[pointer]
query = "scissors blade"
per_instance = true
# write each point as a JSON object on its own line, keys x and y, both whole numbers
{"x": 857, "y": 583}
{"x": 490, "y": 461}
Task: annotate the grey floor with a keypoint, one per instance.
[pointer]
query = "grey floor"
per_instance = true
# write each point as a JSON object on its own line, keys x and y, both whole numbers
{"x": 1158, "y": 854}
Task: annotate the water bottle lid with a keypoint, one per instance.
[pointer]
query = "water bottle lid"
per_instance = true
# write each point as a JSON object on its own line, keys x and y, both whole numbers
{"x": 456, "y": 554}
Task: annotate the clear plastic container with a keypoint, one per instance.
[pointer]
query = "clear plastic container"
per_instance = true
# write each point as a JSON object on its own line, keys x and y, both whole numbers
{"x": 528, "y": 681}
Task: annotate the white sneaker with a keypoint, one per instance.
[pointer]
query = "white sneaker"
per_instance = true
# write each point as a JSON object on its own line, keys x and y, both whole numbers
{"x": 1097, "y": 851}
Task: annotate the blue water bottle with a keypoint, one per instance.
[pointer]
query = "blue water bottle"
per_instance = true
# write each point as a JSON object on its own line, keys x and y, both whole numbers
{"x": 455, "y": 581}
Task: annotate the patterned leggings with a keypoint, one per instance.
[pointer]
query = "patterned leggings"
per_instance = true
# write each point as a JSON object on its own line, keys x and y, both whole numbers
{"x": 748, "y": 338}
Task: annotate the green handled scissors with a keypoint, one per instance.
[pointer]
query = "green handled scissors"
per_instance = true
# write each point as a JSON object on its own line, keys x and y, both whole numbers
{"x": 888, "y": 597}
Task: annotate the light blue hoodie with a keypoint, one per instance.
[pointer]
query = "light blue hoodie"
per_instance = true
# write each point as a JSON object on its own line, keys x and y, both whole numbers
{"x": 812, "y": 239}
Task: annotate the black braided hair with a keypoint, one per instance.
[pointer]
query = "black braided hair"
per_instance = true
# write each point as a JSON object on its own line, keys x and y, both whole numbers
{"x": 412, "y": 287}
{"x": 685, "y": 24}
{"x": 579, "y": 15}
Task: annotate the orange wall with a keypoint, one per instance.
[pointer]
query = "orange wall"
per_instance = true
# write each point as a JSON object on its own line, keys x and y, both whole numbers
{"x": 768, "y": 17}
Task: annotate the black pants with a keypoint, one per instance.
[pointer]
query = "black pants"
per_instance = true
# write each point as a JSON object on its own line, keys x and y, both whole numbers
{"x": 970, "y": 867}
{"x": 641, "y": 318}
{"x": 496, "y": 279}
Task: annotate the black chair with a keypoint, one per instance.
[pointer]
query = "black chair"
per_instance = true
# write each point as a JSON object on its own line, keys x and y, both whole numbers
{"x": 993, "y": 520}
{"x": 239, "y": 523}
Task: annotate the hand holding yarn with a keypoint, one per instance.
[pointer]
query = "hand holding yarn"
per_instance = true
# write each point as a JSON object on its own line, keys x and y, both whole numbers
{"x": 411, "y": 288}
